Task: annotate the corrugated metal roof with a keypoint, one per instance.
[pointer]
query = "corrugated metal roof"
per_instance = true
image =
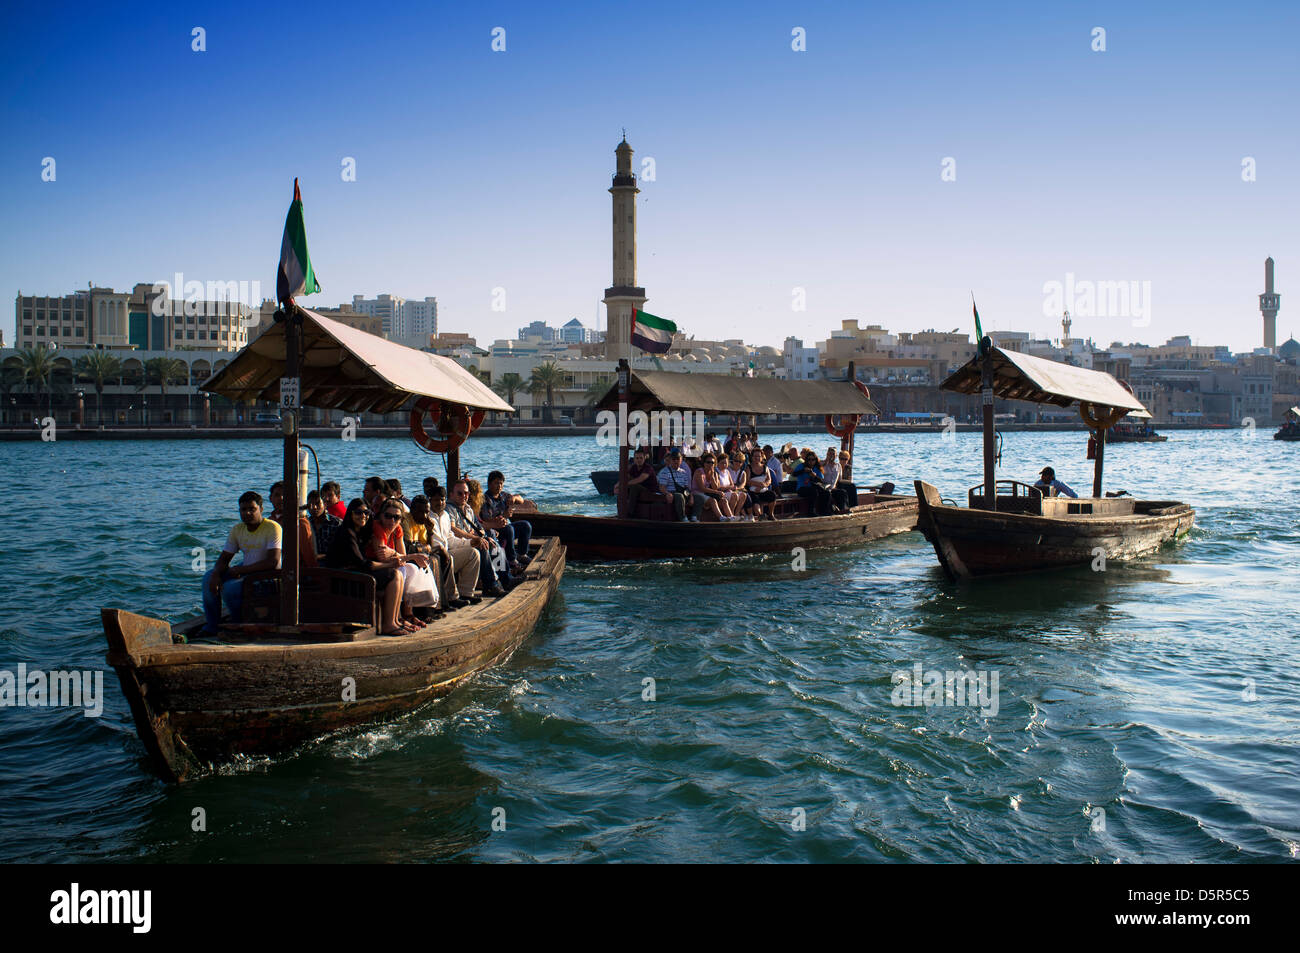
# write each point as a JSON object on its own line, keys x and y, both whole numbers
{"x": 718, "y": 394}
{"x": 1024, "y": 377}
{"x": 344, "y": 368}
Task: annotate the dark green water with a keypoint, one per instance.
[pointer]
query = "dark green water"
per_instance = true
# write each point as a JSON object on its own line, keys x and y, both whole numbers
{"x": 1161, "y": 692}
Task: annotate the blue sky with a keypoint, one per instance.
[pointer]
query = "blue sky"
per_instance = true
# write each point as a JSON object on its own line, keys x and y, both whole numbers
{"x": 774, "y": 169}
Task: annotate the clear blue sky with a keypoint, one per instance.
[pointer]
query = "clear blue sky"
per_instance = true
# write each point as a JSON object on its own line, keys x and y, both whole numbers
{"x": 775, "y": 169}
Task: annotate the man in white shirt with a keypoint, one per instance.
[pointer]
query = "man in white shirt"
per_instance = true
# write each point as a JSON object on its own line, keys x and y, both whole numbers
{"x": 464, "y": 555}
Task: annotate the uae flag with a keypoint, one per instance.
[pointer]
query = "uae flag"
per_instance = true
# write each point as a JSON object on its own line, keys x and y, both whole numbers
{"x": 295, "y": 277}
{"x": 650, "y": 333}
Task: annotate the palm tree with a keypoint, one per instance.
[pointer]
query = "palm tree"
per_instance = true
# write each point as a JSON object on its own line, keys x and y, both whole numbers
{"x": 97, "y": 368}
{"x": 163, "y": 371}
{"x": 11, "y": 376}
{"x": 508, "y": 386}
{"x": 597, "y": 389}
{"x": 38, "y": 370}
{"x": 546, "y": 377}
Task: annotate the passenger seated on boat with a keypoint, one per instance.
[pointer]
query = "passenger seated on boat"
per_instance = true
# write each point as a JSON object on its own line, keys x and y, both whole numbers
{"x": 324, "y": 524}
{"x": 733, "y": 495}
{"x": 711, "y": 443}
{"x": 348, "y": 551}
{"x": 789, "y": 458}
{"x": 810, "y": 484}
{"x": 431, "y": 484}
{"x": 464, "y": 555}
{"x": 497, "y": 513}
{"x": 306, "y": 546}
{"x": 372, "y": 486}
{"x": 506, "y": 576}
{"x": 675, "y": 483}
{"x": 465, "y": 525}
{"x": 423, "y": 535}
{"x": 738, "y": 473}
{"x": 395, "y": 491}
{"x": 708, "y": 493}
{"x": 332, "y": 494}
{"x": 1051, "y": 486}
{"x": 831, "y": 470}
{"x": 850, "y": 489}
{"x": 259, "y": 540}
{"x": 387, "y": 546}
{"x": 758, "y": 483}
{"x": 642, "y": 483}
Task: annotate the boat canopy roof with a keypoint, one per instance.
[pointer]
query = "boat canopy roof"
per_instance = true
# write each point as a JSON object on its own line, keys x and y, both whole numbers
{"x": 344, "y": 368}
{"x": 1025, "y": 377}
{"x": 1295, "y": 412}
{"x": 718, "y": 394}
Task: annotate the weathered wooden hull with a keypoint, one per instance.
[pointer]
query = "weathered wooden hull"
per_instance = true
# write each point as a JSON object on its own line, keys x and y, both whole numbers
{"x": 198, "y": 704}
{"x": 1287, "y": 435}
{"x": 976, "y": 543}
{"x": 610, "y": 538}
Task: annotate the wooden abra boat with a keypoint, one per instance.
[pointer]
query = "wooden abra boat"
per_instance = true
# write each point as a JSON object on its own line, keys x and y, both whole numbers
{"x": 269, "y": 688}
{"x": 1290, "y": 429}
{"x": 1016, "y": 528}
{"x": 305, "y": 657}
{"x": 1134, "y": 431}
{"x": 650, "y": 532}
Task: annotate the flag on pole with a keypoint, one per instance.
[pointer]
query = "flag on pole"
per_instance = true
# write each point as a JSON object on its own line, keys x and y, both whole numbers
{"x": 979, "y": 332}
{"x": 650, "y": 333}
{"x": 296, "y": 276}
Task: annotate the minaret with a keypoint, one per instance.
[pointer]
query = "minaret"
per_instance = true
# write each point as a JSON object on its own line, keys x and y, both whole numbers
{"x": 623, "y": 295}
{"x": 1065, "y": 330}
{"x": 1269, "y": 302}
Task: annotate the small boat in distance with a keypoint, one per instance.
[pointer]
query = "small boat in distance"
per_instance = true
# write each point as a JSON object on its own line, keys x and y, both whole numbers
{"x": 649, "y": 530}
{"x": 1010, "y": 527}
{"x": 306, "y": 657}
{"x": 605, "y": 481}
{"x": 1133, "y": 429}
{"x": 1290, "y": 429}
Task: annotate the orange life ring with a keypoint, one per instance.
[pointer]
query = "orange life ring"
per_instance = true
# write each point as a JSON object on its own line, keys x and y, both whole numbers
{"x": 847, "y": 423}
{"x": 452, "y": 422}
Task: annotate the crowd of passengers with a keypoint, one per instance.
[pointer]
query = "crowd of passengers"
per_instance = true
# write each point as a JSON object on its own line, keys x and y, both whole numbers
{"x": 428, "y": 554}
{"x": 739, "y": 480}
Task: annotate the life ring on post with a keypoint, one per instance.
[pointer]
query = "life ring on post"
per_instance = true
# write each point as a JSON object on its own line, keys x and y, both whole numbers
{"x": 453, "y": 423}
{"x": 842, "y": 425}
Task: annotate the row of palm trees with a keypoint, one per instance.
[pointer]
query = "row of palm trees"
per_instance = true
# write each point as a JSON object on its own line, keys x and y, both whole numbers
{"x": 546, "y": 379}
{"x": 38, "y": 373}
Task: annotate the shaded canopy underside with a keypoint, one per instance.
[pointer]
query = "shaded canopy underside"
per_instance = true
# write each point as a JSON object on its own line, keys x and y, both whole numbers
{"x": 717, "y": 394}
{"x": 1037, "y": 380}
{"x": 344, "y": 368}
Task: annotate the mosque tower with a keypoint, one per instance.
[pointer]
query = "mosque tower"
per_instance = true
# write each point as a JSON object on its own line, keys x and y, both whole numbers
{"x": 1269, "y": 303}
{"x": 623, "y": 295}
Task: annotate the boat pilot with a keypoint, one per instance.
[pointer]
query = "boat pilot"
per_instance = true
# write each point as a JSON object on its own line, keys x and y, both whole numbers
{"x": 1051, "y": 486}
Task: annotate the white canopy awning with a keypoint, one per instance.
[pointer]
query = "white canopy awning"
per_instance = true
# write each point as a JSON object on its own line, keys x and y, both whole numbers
{"x": 344, "y": 368}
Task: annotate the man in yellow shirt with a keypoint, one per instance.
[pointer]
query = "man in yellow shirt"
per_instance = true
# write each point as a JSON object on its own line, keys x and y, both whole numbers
{"x": 259, "y": 540}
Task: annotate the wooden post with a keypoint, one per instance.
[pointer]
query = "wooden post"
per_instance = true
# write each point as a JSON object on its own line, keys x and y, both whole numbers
{"x": 846, "y": 442}
{"x": 990, "y": 439}
{"x": 453, "y": 463}
{"x": 624, "y": 388}
{"x": 1097, "y": 464}
{"x": 289, "y": 551}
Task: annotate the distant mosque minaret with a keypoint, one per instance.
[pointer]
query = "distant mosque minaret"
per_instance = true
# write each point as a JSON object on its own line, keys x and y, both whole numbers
{"x": 623, "y": 294}
{"x": 1269, "y": 303}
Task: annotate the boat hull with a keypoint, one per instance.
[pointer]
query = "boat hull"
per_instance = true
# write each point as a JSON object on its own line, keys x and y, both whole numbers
{"x": 977, "y": 543}
{"x": 604, "y": 481}
{"x": 198, "y": 704}
{"x": 591, "y": 538}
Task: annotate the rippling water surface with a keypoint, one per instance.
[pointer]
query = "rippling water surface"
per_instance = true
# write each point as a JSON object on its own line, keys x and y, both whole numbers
{"x": 1146, "y": 713}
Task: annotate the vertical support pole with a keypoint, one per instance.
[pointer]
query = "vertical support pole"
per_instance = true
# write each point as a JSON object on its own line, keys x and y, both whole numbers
{"x": 990, "y": 439}
{"x": 624, "y": 389}
{"x": 847, "y": 441}
{"x": 1097, "y": 464}
{"x": 453, "y": 459}
{"x": 289, "y": 552}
